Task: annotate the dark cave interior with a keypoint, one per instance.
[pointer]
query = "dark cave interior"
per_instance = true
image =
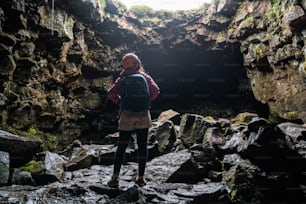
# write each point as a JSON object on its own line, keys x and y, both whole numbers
{"x": 206, "y": 82}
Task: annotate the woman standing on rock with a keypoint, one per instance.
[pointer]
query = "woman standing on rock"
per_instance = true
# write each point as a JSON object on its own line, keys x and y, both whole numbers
{"x": 133, "y": 90}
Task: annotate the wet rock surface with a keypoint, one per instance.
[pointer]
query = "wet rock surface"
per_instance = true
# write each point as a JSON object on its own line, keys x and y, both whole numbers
{"x": 246, "y": 161}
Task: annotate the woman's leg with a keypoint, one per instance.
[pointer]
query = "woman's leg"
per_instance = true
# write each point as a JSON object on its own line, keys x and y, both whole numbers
{"x": 123, "y": 142}
{"x": 142, "y": 137}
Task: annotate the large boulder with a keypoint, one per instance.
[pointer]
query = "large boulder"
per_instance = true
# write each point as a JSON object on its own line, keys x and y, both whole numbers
{"x": 164, "y": 135}
{"x": 88, "y": 155}
{"x": 22, "y": 177}
{"x": 295, "y": 135}
{"x": 240, "y": 176}
{"x": 21, "y": 149}
{"x": 47, "y": 168}
{"x": 251, "y": 138}
{"x": 205, "y": 162}
{"x": 169, "y": 115}
{"x": 170, "y": 167}
{"x": 192, "y": 128}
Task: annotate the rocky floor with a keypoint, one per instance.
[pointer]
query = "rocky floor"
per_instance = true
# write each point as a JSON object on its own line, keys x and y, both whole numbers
{"x": 199, "y": 160}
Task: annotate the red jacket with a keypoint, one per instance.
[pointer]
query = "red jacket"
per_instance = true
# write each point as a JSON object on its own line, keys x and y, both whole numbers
{"x": 113, "y": 92}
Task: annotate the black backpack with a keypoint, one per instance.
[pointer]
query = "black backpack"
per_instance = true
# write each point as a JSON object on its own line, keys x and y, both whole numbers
{"x": 134, "y": 93}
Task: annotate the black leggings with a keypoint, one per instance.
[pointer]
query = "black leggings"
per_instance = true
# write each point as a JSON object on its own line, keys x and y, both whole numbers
{"x": 123, "y": 142}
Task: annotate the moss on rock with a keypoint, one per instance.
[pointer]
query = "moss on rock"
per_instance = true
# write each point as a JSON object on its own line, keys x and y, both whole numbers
{"x": 33, "y": 166}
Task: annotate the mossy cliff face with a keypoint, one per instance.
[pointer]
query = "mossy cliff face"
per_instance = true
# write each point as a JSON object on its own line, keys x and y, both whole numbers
{"x": 273, "y": 45}
{"x": 56, "y": 65}
{"x": 54, "y": 72}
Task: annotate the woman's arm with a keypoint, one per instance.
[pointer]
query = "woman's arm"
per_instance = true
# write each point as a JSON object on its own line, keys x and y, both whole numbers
{"x": 113, "y": 92}
{"x": 154, "y": 89}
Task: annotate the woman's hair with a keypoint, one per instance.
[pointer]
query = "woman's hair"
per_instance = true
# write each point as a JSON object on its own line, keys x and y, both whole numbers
{"x": 141, "y": 69}
{"x": 138, "y": 67}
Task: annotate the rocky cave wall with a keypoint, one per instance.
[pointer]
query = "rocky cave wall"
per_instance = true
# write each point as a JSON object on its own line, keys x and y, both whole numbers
{"x": 54, "y": 76}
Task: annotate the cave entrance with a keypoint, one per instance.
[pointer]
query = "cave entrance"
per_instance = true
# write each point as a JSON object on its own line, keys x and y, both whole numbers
{"x": 195, "y": 80}
{"x": 169, "y": 5}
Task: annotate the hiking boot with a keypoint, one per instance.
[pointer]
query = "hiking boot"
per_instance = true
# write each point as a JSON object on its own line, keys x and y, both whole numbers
{"x": 113, "y": 183}
{"x": 140, "y": 182}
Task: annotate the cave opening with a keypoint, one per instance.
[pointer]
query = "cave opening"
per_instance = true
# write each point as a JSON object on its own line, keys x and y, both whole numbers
{"x": 172, "y": 5}
{"x": 196, "y": 80}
